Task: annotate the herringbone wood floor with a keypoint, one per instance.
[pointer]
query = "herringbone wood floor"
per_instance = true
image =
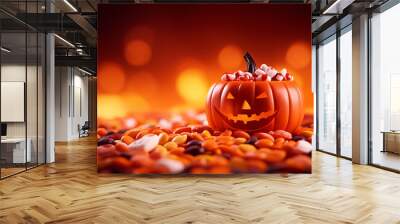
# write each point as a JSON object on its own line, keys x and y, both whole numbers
{"x": 70, "y": 191}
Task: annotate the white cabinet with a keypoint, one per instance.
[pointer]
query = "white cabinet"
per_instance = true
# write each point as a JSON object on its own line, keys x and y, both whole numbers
{"x": 17, "y": 147}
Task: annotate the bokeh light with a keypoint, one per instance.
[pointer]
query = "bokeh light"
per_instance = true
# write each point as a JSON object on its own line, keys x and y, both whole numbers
{"x": 192, "y": 86}
{"x": 137, "y": 52}
{"x": 188, "y": 62}
{"x": 230, "y": 58}
{"x": 143, "y": 83}
{"x": 130, "y": 123}
{"x": 142, "y": 32}
{"x": 299, "y": 55}
{"x": 111, "y": 77}
{"x": 110, "y": 106}
{"x": 135, "y": 103}
{"x": 152, "y": 57}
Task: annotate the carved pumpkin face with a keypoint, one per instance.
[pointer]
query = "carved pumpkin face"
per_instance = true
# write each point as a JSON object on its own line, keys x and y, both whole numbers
{"x": 251, "y": 102}
{"x": 255, "y": 106}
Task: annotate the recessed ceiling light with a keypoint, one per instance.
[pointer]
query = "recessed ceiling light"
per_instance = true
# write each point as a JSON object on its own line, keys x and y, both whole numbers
{"x": 70, "y": 5}
{"x": 337, "y": 7}
{"x": 64, "y": 40}
{"x": 5, "y": 50}
{"x": 84, "y": 71}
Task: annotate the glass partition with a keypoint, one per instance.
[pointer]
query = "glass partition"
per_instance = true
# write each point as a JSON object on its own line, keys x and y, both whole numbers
{"x": 32, "y": 86}
{"x": 14, "y": 153}
{"x": 22, "y": 88}
{"x": 31, "y": 97}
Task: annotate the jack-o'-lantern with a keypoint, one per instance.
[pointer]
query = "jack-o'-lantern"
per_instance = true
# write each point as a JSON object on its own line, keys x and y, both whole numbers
{"x": 257, "y": 100}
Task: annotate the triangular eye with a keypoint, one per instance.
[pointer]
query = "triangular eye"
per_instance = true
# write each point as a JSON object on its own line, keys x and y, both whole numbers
{"x": 262, "y": 95}
{"x": 230, "y": 96}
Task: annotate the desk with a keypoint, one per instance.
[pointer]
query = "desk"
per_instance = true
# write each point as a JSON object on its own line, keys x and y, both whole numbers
{"x": 391, "y": 141}
{"x": 16, "y": 148}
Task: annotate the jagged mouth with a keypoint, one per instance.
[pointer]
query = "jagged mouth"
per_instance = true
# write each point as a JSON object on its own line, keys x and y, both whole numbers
{"x": 248, "y": 118}
{"x": 245, "y": 118}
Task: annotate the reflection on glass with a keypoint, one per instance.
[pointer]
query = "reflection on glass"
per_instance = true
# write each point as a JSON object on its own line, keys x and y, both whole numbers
{"x": 385, "y": 86}
{"x": 346, "y": 94}
{"x": 327, "y": 96}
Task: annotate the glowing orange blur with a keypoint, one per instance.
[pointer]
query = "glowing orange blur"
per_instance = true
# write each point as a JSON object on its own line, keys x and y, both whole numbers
{"x": 230, "y": 58}
{"x": 111, "y": 78}
{"x": 192, "y": 87}
{"x": 298, "y": 55}
{"x": 110, "y": 106}
{"x": 137, "y": 52}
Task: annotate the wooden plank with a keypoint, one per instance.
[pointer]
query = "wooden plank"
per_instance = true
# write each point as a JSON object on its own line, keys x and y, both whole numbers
{"x": 71, "y": 191}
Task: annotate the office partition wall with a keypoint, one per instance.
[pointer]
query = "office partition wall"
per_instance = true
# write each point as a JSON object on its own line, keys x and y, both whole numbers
{"x": 22, "y": 79}
{"x": 14, "y": 147}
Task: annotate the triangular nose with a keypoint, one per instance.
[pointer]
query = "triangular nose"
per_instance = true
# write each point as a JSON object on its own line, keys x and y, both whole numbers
{"x": 246, "y": 105}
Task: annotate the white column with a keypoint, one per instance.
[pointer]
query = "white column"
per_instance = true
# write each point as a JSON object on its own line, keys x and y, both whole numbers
{"x": 360, "y": 90}
{"x": 50, "y": 99}
{"x": 50, "y": 92}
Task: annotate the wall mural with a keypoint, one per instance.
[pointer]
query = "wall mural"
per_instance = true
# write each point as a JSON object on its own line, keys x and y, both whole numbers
{"x": 204, "y": 89}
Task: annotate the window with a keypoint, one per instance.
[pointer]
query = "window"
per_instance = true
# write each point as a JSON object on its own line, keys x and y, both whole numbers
{"x": 327, "y": 95}
{"x": 385, "y": 89}
{"x": 346, "y": 93}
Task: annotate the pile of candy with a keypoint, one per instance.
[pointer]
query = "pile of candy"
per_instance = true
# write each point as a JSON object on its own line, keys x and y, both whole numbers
{"x": 264, "y": 73}
{"x": 190, "y": 146}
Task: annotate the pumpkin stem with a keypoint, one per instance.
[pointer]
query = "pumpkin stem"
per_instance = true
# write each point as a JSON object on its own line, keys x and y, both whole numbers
{"x": 251, "y": 64}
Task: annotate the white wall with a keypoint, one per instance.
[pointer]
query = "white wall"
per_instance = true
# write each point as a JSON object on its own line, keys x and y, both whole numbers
{"x": 61, "y": 104}
{"x": 71, "y": 102}
{"x": 80, "y": 111}
{"x": 12, "y": 73}
{"x": 33, "y": 127}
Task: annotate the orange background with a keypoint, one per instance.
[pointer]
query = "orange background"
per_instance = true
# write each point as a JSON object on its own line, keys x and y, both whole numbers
{"x": 161, "y": 57}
